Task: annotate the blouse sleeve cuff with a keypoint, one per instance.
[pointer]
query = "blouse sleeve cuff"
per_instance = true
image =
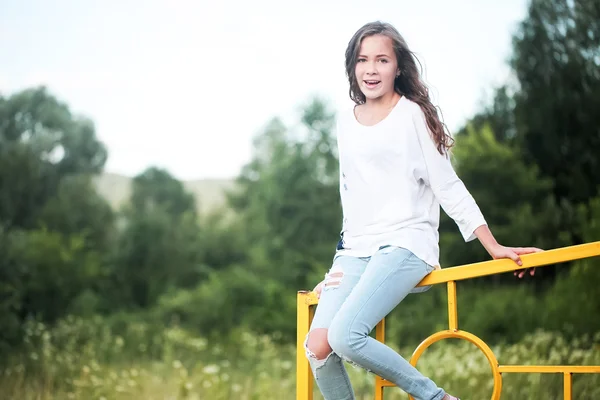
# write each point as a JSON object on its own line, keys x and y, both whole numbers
{"x": 468, "y": 230}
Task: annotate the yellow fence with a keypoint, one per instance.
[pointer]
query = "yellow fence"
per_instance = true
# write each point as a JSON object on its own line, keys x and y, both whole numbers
{"x": 307, "y": 301}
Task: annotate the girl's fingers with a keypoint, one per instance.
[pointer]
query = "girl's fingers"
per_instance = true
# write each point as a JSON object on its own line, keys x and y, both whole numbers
{"x": 526, "y": 250}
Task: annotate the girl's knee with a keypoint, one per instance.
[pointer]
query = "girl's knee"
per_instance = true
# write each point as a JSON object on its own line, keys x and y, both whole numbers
{"x": 345, "y": 340}
{"x": 317, "y": 344}
{"x": 339, "y": 340}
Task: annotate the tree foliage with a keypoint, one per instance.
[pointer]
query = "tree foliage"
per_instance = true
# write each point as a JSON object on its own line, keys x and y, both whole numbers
{"x": 557, "y": 63}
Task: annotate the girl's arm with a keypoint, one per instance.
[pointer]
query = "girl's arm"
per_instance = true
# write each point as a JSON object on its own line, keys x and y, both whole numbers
{"x": 456, "y": 200}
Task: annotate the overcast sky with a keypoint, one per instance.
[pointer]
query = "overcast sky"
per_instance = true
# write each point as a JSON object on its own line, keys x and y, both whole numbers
{"x": 186, "y": 85}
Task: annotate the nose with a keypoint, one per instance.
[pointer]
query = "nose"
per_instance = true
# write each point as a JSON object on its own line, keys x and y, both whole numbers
{"x": 371, "y": 68}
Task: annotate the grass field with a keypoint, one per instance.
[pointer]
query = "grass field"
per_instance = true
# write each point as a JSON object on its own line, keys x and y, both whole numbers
{"x": 90, "y": 359}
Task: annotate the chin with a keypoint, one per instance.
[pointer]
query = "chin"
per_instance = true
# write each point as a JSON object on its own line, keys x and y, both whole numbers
{"x": 373, "y": 96}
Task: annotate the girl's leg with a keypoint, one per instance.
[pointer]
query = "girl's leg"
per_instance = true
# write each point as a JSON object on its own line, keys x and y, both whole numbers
{"x": 327, "y": 367}
{"x": 390, "y": 275}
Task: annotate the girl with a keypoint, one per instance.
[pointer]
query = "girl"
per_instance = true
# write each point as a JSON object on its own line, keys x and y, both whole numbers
{"x": 395, "y": 174}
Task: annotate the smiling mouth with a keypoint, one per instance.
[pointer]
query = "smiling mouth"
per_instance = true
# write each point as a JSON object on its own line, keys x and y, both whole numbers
{"x": 371, "y": 83}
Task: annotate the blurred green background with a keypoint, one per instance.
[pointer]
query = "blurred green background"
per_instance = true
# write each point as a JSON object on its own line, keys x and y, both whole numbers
{"x": 155, "y": 288}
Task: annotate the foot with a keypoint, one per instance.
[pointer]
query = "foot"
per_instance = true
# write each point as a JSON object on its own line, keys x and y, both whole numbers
{"x": 448, "y": 397}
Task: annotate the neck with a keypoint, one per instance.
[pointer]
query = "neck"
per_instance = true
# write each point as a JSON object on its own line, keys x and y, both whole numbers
{"x": 384, "y": 102}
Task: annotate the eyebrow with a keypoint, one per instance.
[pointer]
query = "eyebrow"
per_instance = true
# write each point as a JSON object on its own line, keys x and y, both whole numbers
{"x": 378, "y": 55}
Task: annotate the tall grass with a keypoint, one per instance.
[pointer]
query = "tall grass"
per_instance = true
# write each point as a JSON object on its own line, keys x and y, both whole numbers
{"x": 92, "y": 359}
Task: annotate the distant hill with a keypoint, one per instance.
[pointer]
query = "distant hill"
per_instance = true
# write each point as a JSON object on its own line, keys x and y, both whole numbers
{"x": 209, "y": 193}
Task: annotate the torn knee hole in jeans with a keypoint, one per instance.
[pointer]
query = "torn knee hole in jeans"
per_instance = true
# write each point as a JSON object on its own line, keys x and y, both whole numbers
{"x": 317, "y": 363}
{"x": 333, "y": 278}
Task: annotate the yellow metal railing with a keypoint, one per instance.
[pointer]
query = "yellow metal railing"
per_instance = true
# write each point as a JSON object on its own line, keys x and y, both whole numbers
{"x": 307, "y": 301}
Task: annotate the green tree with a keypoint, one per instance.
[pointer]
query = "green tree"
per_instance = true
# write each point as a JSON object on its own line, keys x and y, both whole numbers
{"x": 77, "y": 208}
{"x": 156, "y": 188}
{"x": 286, "y": 206}
{"x": 499, "y": 116}
{"x": 55, "y": 269}
{"x": 288, "y": 197}
{"x": 54, "y": 228}
{"x": 556, "y": 61}
{"x": 40, "y": 143}
{"x": 159, "y": 247}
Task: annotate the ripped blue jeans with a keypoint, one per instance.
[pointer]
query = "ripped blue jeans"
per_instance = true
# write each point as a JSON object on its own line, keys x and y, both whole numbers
{"x": 359, "y": 292}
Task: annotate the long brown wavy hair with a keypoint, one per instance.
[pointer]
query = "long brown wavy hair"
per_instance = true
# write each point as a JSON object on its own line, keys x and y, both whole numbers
{"x": 407, "y": 84}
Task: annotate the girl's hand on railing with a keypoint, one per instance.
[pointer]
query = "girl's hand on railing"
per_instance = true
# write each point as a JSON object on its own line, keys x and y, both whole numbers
{"x": 498, "y": 251}
{"x": 514, "y": 254}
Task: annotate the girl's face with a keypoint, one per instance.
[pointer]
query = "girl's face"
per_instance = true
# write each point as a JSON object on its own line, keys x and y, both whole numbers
{"x": 376, "y": 67}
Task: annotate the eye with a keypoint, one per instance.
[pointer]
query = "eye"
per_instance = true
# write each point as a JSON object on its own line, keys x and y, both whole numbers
{"x": 383, "y": 60}
{"x": 361, "y": 60}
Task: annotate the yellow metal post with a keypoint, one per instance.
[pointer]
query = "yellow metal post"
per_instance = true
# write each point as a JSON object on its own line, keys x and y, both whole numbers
{"x": 452, "y": 310}
{"x": 568, "y": 386}
{"x": 379, "y": 382}
{"x": 304, "y": 378}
